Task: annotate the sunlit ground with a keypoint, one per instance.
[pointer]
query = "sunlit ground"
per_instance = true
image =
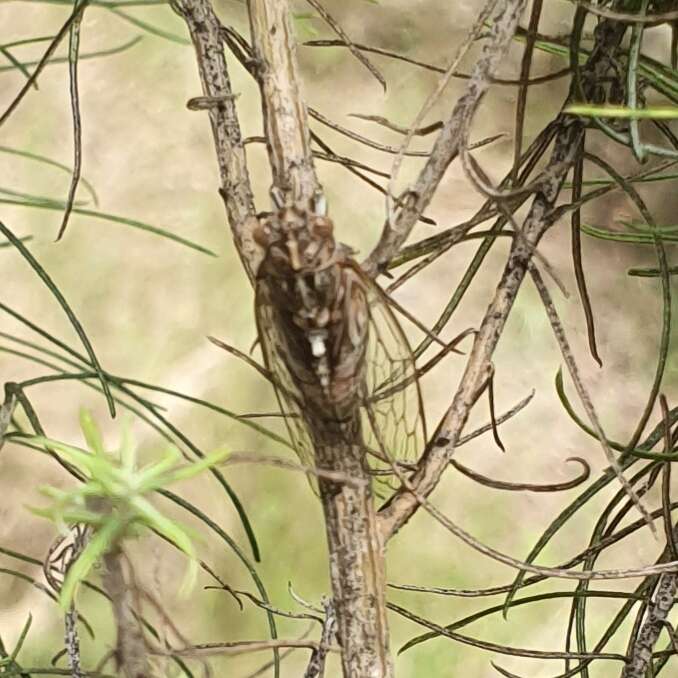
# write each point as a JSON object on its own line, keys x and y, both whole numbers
{"x": 148, "y": 304}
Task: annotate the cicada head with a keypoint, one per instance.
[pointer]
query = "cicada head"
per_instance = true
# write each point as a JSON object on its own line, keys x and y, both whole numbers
{"x": 295, "y": 242}
{"x": 300, "y": 252}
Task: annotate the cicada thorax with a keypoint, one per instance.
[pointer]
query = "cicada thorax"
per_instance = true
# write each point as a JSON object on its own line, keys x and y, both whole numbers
{"x": 319, "y": 304}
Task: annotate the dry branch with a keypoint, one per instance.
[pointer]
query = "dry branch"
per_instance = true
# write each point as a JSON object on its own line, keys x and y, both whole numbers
{"x": 446, "y": 147}
{"x": 657, "y": 616}
{"x": 285, "y": 121}
{"x": 131, "y": 654}
{"x": 355, "y": 549}
{"x": 239, "y": 647}
{"x": 235, "y": 189}
{"x": 404, "y": 504}
{"x": 316, "y": 666}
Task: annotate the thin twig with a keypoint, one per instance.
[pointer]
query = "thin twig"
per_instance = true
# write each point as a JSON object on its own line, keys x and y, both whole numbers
{"x": 584, "y": 396}
{"x": 235, "y": 648}
{"x": 73, "y": 54}
{"x": 534, "y": 80}
{"x": 334, "y": 25}
{"x": 446, "y": 147}
{"x": 316, "y": 666}
{"x": 334, "y": 476}
{"x": 78, "y": 8}
{"x": 283, "y": 655}
{"x": 657, "y": 615}
{"x": 470, "y": 37}
{"x": 402, "y": 505}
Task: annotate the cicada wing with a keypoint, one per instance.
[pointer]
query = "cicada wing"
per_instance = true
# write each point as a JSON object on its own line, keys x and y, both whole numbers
{"x": 394, "y": 425}
{"x": 288, "y": 395}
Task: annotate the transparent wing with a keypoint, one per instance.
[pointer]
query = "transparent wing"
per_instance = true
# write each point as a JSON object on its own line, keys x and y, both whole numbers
{"x": 289, "y": 396}
{"x": 393, "y": 422}
{"x": 394, "y": 426}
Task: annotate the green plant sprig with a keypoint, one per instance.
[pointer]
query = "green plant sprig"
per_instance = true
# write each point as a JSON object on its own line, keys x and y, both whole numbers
{"x": 113, "y": 499}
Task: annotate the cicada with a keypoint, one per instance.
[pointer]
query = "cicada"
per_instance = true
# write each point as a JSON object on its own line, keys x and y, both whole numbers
{"x": 63, "y": 552}
{"x": 339, "y": 360}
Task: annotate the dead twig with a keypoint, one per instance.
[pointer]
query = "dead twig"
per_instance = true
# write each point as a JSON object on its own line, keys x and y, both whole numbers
{"x": 397, "y": 511}
{"x": 241, "y": 647}
{"x": 334, "y": 25}
{"x": 657, "y": 615}
{"x": 395, "y": 232}
{"x": 316, "y": 666}
{"x": 284, "y": 110}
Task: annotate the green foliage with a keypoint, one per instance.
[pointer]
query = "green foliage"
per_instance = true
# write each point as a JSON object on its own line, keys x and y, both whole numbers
{"x": 40, "y": 202}
{"x": 649, "y": 113}
{"x": 639, "y": 236}
{"x": 113, "y": 499}
{"x": 8, "y": 661}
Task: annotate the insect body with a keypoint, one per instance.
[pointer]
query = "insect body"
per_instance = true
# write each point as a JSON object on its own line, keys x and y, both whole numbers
{"x": 63, "y": 552}
{"x": 331, "y": 343}
{"x": 319, "y": 307}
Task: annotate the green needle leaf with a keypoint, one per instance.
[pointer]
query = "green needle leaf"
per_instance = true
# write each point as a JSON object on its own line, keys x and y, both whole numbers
{"x": 33, "y": 263}
{"x": 100, "y": 543}
{"x": 90, "y": 430}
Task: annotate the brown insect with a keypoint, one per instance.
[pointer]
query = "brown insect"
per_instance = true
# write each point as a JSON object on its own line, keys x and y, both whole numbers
{"x": 339, "y": 359}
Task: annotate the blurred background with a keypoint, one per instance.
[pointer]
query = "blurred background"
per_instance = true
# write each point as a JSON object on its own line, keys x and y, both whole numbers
{"x": 148, "y": 304}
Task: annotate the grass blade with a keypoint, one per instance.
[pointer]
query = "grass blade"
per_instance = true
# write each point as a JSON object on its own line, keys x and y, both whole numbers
{"x": 134, "y": 223}
{"x": 48, "y": 161}
{"x": 44, "y": 276}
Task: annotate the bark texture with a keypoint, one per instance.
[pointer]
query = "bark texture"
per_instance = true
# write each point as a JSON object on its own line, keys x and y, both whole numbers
{"x": 219, "y": 100}
{"x": 356, "y": 563}
{"x": 288, "y": 139}
{"x": 130, "y": 650}
{"x": 657, "y": 618}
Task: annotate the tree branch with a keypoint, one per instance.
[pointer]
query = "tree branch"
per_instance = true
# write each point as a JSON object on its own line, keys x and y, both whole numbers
{"x": 446, "y": 147}
{"x": 219, "y": 99}
{"x": 316, "y": 665}
{"x": 403, "y": 504}
{"x": 130, "y": 650}
{"x": 356, "y": 556}
{"x": 285, "y": 121}
{"x": 657, "y": 616}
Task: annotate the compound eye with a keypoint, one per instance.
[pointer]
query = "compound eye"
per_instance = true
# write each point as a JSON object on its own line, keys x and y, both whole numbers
{"x": 262, "y": 234}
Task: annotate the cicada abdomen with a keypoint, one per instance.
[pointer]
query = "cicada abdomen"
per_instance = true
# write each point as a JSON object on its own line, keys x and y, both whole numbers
{"x": 340, "y": 362}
